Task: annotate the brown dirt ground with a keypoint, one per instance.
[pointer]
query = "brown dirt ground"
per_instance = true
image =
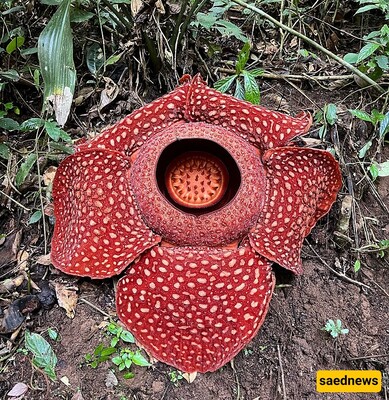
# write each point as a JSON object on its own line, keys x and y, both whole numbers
{"x": 282, "y": 360}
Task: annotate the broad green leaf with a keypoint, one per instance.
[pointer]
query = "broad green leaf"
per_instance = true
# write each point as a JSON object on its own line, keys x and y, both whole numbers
{"x": 9, "y": 124}
{"x": 251, "y": 89}
{"x": 322, "y": 132}
{"x": 227, "y": 28}
{"x": 4, "y": 151}
{"x": 138, "y": 359}
{"x": 62, "y": 148}
{"x": 239, "y": 90}
{"x": 351, "y": 58}
{"x": 55, "y": 52}
{"x": 25, "y": 168}
{"x": 14, "y": 44}
{"x": 43, "y": 355}
{"x": 117, "y": 360}
{"x": 56, "y": 133}
{"x": 357, "y": 265}
{"x": 367, "y": 8}
{"x": 51, "y": 2}
{"x": 383, "y": 169}
{"x": 37, "y": 75}
{"x": 373, "y": 171}
{"x": 53, "y": 334}
{"x": 331, "y": 113}
{"x": 94, "y": 58}
{"x": 107, "y": 351}
{"x": 304, "y": 52}
{"x": 384, "y": 126}
{"x": 364, "y": 116}
{"x": 376, "y": 116}
{"x": 10, "y": 75}
{"x": 32, "y": 124}
{"x": 206, "y": 20}
{"x": 113, "y": 59}
{"x": 367, "y": 51}
{"x": 256, "y": 72}
{"x": 224, "y": 84}
{"x": 364, "y": 149}
{"x": 127, "y": 337}
{"x": 243, "y": 57}
{"x": 35, "y": 217}
{"x": 382, "y": 62}
{"x": 78, "y": 15}
{"x": 29, "y": 51}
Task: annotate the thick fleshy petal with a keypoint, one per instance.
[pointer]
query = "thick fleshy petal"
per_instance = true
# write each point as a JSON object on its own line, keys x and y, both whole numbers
{"x": 98, "y": 231}
{"x": 195, "y": 308}
{"x": 130, "y": 133}
{"x": 302, "y": 186}
{"x": 262, "y": 127}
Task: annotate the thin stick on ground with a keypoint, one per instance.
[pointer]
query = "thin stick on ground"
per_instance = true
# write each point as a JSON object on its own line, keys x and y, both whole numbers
{"x": 282, "y": 373}
{"x": 339, "y": 274}
{"x": 95, "y": 307}
{"x": 306, "y": 39}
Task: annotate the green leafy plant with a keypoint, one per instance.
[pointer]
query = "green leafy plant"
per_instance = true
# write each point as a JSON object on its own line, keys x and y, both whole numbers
{"x": 335, "y": 328}
{"x": 119, "y": 333}
{"x": 246, "y": 87}
{"x": 43, "y": 355}
{"x": 380, "y": 123}
{"x": 327, "y": 118}
{"x": 382, "y": 5}
{"x": 101, "y": 354}
{"x": 126, "y": 358}
{"x": 381, "y": 248}
{"x": 213, "y": 19}
{"x": 373, "y": 58}
{"x": 120, "y": 356}
{"x": 175, "y": 377}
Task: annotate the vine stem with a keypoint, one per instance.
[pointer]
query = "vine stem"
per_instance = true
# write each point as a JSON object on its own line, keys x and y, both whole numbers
{"x": 306, "y": 39}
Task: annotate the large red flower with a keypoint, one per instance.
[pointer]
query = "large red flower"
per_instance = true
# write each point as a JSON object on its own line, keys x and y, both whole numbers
{"x": 199, "y": 194}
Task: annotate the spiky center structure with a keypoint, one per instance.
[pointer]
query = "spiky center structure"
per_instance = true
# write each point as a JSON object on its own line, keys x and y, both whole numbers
{"x": 196, "y": 179}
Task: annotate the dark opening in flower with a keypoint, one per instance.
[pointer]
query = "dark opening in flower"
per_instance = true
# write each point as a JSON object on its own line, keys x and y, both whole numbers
{"x": 198, "y": 193}
{"x": 198, "y": 176}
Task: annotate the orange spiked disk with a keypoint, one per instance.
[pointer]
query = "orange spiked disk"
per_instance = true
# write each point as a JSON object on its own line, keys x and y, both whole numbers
{"x": 196, "y": 179}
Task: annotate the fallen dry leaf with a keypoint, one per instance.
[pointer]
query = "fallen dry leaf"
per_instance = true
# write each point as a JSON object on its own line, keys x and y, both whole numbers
{"x": 9, "y": 285}
{"x": 109, "y": 93}
{"x": 44, "y": 259}
{"x": 18, "y": 390}
{"x": 48, "y": 175}
{"x": 77, "y": 396}
{"x": 189, "y": 376}
{"x": 67, "y": 298}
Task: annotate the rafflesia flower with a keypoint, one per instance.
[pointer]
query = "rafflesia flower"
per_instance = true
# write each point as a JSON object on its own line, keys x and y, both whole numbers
{"x": 197, "y": 193}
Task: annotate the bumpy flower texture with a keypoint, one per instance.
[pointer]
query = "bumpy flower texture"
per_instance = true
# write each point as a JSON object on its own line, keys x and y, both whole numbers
{"x": 196, "y": 194}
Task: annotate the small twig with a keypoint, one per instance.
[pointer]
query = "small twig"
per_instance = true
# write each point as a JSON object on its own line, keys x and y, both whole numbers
{"x": 94, "y": 307}
{"x": 340, "y": 275}
{"x": 282, "y": 373}
{"x": 306, "y": 39}
{"x": 16, "y": 202}
{"x": 236, "y": 380}
{"x": 294, "y": 77}
{"x": 368, "y": 357}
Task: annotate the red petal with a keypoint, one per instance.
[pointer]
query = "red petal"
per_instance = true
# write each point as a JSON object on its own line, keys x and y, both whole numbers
{"x": 98, "y": 231}
{"x": 130, "y": 133}
{"x": 195, "y": 308}
{"x": 262, "y": 127}
{"x": 302, "y": 186}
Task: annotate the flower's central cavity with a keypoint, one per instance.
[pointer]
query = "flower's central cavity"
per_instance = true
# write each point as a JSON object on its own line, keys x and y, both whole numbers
{"x": 197, "y": 176}
{"x": 196, "y": 179}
